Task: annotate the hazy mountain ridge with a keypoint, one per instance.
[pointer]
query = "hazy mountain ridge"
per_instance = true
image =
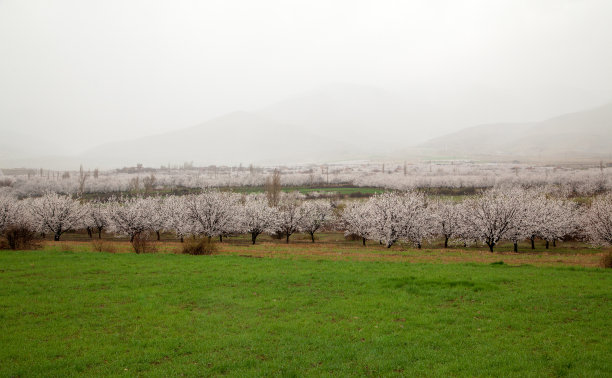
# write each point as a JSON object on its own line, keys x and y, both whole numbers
{"x": 238, "y": 137}
{"x": 335, "y": 123}
{"x": 586, "y": 133}
{"x": 357, "y": 113}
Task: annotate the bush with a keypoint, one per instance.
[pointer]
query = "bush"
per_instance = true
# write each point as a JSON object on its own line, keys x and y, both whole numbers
{"x": 606, "y": 260}
{"x": 17, "y": 237}
{"x": 352, "y": 237}
{"x": 6, "y": 182}
{"x": 199, "y": 246}
{"x": 99, "y": 245}
{"x": 278, "y": 235}
{"x": 142, "y": 243}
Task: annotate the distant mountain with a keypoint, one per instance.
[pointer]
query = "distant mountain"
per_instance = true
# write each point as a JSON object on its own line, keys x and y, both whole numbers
{"x": 335, "y": 122}
{"x": 239, "y": 137}
{"x": 341, "y": 122}
{"x": 576, "y": 135}
{"x": 370, "y": 118}
{"x": 16, "y": 145}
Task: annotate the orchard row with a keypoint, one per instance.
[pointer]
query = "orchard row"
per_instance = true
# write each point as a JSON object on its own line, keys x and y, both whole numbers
{"x": 512, "y": 215}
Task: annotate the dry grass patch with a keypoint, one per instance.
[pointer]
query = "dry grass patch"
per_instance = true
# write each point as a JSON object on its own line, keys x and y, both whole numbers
{"x": 334, "y": 247}
{"x": 606, "y": 260}
{"x": 100, "y": 245}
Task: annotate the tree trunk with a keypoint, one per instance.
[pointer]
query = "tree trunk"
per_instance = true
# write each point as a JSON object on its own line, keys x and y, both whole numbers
{"x": 532, "y": 242}
{"x": 491, "y": 245}
{"x": 515, "y": 247}
{"x": 253, "y": 237}
{"x": 89, "y": 232}
{"x": 56, "y": 237}
{"x": 418, "y": 245}
{"x": 158, "y": 235}
{"x": 446, "y": 242}
{"x": 554, "y": 242}
{"x": 182, "y": 240}
{"x": 99, "y": 233}
{"x": 312, "y": 236}
{"x": 288, "y": 238}
{"x": 363, "y": 240}
{"x": 547, "y": 243}
{"x": 220, "y": 238}
{"x": 11, "y": 240}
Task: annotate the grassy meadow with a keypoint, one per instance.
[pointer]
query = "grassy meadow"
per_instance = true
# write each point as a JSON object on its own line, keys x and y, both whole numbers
{"x": 273, "y": 309}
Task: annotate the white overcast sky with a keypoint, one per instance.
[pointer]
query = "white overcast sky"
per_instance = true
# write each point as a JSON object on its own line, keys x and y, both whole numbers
{"x": 78, "y": 73}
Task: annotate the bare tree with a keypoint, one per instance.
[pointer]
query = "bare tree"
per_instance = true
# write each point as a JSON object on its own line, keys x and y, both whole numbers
{"x": 149, "y": 183}
{"x": 134, "y": 184}
{"x": 273, "y": 188}
{"x": 82, "y": 178}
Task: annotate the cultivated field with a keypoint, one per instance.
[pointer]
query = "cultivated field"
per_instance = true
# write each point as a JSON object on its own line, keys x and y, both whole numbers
{"x": 294, "y": 310}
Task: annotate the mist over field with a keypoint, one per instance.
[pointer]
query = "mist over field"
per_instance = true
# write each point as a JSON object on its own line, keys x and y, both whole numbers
{"x": 111, "y": 84}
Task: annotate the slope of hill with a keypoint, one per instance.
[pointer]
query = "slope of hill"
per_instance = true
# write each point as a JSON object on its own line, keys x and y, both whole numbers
{"x": 332, "y": 123}
{"x": 239, "y": 137}
{"x": 582, "y": 134}
{"x": 335, "y": 122}
{"x": 368, "y": 116}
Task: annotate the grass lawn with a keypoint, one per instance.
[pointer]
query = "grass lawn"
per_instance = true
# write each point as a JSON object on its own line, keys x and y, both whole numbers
{"x": 83, "y": 313}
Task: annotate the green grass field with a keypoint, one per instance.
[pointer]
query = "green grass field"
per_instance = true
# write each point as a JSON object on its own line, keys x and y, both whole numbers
{"x": 83, "y": 313}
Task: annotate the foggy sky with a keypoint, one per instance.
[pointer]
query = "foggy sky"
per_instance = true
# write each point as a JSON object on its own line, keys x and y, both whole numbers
{"x": 80, "y": 73}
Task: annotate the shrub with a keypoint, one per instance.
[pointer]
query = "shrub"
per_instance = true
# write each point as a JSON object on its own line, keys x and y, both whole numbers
{"x": 606, "y": 260}
{"x": 199, "y": 246}
{"x": 6, "y": 182}
{"x": 99, "y": 245}
{"x": 142, "y": 243}
{"x": 19, "y": 237}
{"x": 352, "y": 237}
{"x": 278, "y": 235}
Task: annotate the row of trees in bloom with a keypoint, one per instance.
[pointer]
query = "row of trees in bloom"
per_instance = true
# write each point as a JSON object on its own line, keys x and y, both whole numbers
{"x": 513, "y": 215}
{"x": 452, "y": 175}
